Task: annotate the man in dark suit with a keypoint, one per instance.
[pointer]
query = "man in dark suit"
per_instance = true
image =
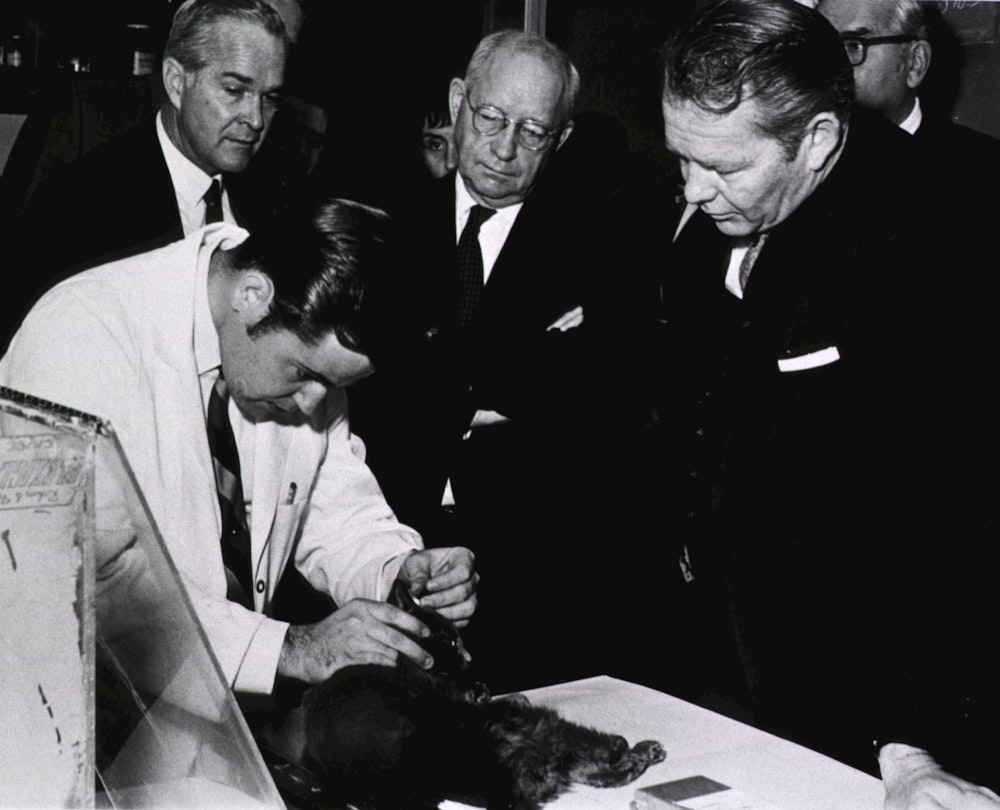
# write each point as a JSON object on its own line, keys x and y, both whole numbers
{"x": 818, "y": 362}
{"x": 500, "y": 431}
{"x": 889, "y": 43}
{"x": 223, "y": 68}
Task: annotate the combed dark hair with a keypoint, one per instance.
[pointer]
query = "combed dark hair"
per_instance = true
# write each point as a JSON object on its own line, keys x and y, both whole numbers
{"x": 436, "y": 113}
{"x": 785, "y": 56}
{"x": 191, "y": 31}
{"x": 332, "y": 262}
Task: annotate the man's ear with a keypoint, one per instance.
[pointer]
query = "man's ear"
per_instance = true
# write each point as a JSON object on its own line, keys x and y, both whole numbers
{"x": 252, "y": 295}
{"x": 456, "y": 95}
{"x": 174, "y": 77}
{"x": 824, "y": 134}
{"x": 918, "y": 62}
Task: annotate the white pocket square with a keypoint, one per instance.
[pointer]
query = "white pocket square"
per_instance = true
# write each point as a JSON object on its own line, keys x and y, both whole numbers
{"x": 803, "y": 362}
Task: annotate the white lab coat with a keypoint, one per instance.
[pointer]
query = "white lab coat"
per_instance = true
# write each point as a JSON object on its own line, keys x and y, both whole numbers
{"x": 116, "y": 342}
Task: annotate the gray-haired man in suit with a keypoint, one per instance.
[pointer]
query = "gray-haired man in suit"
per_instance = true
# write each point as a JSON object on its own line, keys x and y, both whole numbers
{"x": 223, "y": 69}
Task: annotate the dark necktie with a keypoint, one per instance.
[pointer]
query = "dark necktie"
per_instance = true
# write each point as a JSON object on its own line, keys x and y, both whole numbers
{"x": 213, "y": 203}
{"x": 470, "y": 264}
{"x": 746, "y": 264}
{"x": 226, "y": 461}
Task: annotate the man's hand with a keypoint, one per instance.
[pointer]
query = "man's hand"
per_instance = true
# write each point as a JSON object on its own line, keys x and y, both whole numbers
{"x": 914, "y": 781}
{"x": 361, "y": 632}
{"x": 444, "y": 579}
{"x": 368, "y": 632}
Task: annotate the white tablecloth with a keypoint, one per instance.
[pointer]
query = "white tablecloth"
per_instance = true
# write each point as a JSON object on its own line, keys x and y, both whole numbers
{"x": 701, "y": 742}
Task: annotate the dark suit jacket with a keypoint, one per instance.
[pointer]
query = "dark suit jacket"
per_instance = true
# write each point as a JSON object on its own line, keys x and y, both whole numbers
{"x": 526, "y": 489}
{"x": 965, "y": 164}
{"x": 820, "y": 412}
{"x": 506, "y": 361}
{"x": 114, "y": 201}
{"x": 956, "y": 145}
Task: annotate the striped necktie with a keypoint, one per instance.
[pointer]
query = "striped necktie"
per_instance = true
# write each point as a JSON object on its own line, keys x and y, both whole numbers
{"x": 746, "y": 265}
{"x": 470, "y": 264}
{"x": 226, "y": 461}
{"x": 213, "y": 203}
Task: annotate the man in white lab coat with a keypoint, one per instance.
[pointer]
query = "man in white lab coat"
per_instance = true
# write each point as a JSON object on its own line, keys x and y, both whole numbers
{"x": 286, "y": 317}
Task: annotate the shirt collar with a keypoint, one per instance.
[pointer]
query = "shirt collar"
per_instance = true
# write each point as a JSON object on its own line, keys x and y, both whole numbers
{"x": 912, "y": 122}
{"x": 464, "y": 202}
{"x": 206, "y": 339}
{"x": 190, "y": 182}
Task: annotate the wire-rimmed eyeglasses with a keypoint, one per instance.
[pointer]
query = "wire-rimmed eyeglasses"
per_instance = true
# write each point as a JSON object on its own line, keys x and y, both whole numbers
{"x": 857, "y": 47}
{"x": 489, "y": 120}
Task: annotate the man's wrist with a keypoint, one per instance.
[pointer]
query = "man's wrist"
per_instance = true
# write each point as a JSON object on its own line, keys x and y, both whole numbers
{"x": 261, "y": 663}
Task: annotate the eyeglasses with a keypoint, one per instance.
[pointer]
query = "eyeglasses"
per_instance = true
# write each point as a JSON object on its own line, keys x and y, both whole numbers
{"x": 489, "y": 120}
{"x": 857, "y": 47}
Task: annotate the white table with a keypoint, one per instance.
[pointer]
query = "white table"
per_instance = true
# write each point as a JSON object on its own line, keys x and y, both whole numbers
{"x": 701, "y": 742}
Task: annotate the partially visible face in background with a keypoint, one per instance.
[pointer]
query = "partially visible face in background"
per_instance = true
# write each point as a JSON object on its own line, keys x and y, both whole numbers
{"x": 437, "y": 147}
{"x": 882, "y": 81}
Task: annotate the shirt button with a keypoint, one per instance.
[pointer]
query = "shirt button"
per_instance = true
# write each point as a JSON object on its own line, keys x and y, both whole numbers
{"x": 260, "y": 586}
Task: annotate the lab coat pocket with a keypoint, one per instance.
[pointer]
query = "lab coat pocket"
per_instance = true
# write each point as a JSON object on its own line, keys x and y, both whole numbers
{"x": 282, "y": 537}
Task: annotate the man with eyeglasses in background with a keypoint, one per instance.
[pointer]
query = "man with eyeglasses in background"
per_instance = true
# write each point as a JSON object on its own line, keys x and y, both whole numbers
{"x": 889, "y": 44}
{"x": 499, "y": 430}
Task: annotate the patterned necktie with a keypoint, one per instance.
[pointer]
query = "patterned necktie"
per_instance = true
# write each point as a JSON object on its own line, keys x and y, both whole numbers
{"x": 226, "y": 461}
{"x": 213, "y": 203}
{"x": 470, "y": 264}
{"x": 750, "y": 257}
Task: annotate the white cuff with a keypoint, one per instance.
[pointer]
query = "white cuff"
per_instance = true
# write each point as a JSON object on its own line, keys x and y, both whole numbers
{"x": 260, "y": 664}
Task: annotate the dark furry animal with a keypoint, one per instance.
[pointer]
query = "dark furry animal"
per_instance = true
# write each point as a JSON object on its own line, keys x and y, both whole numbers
{"x": 402, "y": 738}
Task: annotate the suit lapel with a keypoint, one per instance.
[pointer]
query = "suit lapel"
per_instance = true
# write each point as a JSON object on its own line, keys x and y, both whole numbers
{"x": 158, "y": 218}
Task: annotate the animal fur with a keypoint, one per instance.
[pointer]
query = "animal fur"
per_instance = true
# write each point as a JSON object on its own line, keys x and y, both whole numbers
{"x": 402, "y": 738}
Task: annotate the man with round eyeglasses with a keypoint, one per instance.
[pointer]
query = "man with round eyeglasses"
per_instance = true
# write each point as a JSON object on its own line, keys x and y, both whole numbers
{"x": 511, "y": 111}
{"x": 490, "y": 121}
{"x": 500, "y": 440}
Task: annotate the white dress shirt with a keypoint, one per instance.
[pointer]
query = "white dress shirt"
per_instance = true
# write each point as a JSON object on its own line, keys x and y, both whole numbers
{"x": 190, "y": 184}
{"x": 912, "y": 121}
{"x": 493, "y": 232}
